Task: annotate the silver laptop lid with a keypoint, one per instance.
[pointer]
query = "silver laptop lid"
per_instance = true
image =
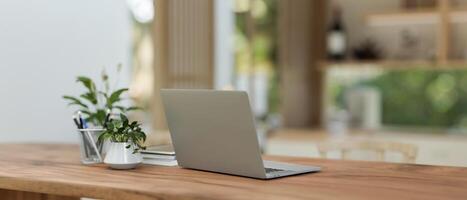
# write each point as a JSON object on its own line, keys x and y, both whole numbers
{"x": 214, "y": 131}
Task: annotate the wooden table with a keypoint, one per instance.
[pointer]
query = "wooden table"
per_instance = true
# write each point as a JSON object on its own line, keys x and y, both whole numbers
{"x": 53, "y": 171}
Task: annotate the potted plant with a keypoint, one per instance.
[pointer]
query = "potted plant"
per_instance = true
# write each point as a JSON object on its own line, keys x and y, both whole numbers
{"x": 96, "y": 103}
{"x": 94, "y": 108}
{"x": 126, "y": 139}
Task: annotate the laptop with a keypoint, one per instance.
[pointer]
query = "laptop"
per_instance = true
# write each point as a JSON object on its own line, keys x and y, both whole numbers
{"x": 215, "y": 131}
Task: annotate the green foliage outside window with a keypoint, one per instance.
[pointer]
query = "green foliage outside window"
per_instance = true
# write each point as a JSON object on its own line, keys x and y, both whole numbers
{"x": 263, "y": 46}
{"x": 431, "y": 98}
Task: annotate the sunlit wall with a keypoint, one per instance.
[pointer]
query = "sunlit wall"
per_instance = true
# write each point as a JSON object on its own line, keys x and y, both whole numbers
{"x": 44, "y": 45}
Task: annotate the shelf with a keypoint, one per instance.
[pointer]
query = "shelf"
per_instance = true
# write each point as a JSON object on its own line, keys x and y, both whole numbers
{"x": 394, "y": 65}
{"x": 414, "y": 17}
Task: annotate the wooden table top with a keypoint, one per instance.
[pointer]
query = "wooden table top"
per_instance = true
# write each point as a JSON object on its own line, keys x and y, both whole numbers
{"x": 55, "y": 169}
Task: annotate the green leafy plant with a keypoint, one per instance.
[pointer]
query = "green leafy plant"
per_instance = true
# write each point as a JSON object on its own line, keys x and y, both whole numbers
{"x": 95, "y": 104}
{"x": 121, "y": 130}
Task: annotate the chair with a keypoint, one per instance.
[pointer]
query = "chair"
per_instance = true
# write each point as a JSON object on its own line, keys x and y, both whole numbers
{"x": 379, "y": 148}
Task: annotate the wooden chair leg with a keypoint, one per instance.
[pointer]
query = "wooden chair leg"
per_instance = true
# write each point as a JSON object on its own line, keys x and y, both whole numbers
{"x": 20, "y": 195}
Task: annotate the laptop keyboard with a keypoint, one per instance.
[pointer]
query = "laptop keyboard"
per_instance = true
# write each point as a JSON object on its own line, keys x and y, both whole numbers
{"x": 270, "y": 170}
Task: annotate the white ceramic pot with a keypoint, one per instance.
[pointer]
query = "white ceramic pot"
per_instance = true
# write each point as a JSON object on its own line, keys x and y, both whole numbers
{"x": 120, "y": 157}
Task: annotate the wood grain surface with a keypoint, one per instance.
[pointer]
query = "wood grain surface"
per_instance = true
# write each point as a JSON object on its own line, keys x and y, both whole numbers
{"x": 21, "y": 195}
{"x": 55, "y": 169}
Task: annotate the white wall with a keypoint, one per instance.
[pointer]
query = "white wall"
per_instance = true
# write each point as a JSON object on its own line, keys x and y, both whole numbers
{"x": 44, "y": 45}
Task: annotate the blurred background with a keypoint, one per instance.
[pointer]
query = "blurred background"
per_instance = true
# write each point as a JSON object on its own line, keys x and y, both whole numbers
{"x": 340, "y": 79}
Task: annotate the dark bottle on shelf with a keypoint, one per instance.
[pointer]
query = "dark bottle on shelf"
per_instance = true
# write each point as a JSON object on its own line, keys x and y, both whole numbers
{"x": 336, "y": 37}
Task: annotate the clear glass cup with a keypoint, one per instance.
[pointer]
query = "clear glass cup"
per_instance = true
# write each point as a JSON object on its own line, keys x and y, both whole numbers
{"x": 92, "y": 152}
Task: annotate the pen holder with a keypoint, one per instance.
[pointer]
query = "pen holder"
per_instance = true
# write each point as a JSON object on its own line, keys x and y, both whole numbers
{"x": 92, "y": 152}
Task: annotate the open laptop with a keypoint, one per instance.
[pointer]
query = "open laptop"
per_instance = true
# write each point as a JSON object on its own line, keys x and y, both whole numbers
{"x": 215, "y": 131}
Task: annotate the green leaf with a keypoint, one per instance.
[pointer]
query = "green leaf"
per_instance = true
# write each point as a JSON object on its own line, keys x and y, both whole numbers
{"x": 124, "y": 109}
{"x": 142, "y": 135}
{"x": 134, "y": 108}
{"x": 90, "y": 96}
{"x": 124, "y": 120}
{"x": 86, "y": 112}
{"x": 104, "y": 136}
{"x": 100, "y": 115}
{"x": 121, "y": 129}
{"x": 110, "y": 125}
{"x": 121, "y": 108}
{"x": 74, "y": 101}
{"x": 87, "y": 82}
{"x": 115, "y": 97}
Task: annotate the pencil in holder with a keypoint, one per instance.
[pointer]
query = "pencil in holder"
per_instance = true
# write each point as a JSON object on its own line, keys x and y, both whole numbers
{"x": 92, "y": 151}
